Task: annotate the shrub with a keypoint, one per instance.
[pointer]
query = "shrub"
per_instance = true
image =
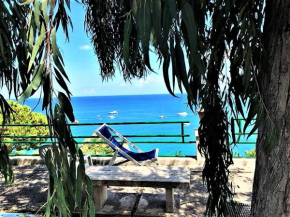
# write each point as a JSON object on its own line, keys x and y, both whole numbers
{"x": 96, "y": 148}
{"x": 251, "y": 153}
{"x": 24, "y": 115}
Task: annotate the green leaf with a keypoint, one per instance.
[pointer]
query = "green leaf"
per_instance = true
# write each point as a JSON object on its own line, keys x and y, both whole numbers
{"x": 36, "y": 47}
{"x": 46, "y": 91}
{"x": 66, "y": 106}
{"x": 167, "y": 20}
{"x": 37, "y": 77}
{"x": 166, "y": 74}
{"x": 78, "y": 188}
{"x": 253, "y": 111}
{"x": 61, "y": 81}
{"x": 126, "y": 47}
{"x": 55, "y": 49}
{"x": 31, "y": 37}
{"x": 189, "y": 20}
{"x": 181, "y": 67}
{"x": 172, "y": 8}
{"x": 156, "y": 20}
{"x": 173, "y": 63}
{"x": 26, "y": 94}
{"x": 2, "y": 48}
{"x": 59, "y": 65}
{"x": 34, "y": 85}
{"x": 92, "y": 206}
{"x": 85, "y": 209}
{"x": 44, "y": 11}
{"x": 36, "y": 13}
{"x": 135, "y": 7}
{"x": 233, "y": 130}
{"x": 26, "y": 2}
{"x": 144, "y": 29}
{"x": 191, "y": 29}
{"x": 48, "y": 207}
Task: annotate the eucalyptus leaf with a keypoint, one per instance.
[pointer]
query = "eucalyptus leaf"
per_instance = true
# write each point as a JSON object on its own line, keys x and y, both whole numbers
{"x": 36, "y": 13}
{"x": 66, "y": 106}
{"x": 26, "y": 2}
{"x": 126, "y": 47}
{"x": 44, "y": 10}
{"x": 144, "y": 29}
{"x": 36, "y": 46}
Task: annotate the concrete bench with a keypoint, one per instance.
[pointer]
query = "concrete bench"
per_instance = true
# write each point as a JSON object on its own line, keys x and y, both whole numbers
{"x": 138, "y": 176}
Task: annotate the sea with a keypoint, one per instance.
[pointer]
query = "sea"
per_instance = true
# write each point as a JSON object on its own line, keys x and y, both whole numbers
{"x": 140, "y": 108}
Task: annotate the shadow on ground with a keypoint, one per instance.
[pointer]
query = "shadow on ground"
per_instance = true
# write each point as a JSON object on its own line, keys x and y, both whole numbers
{"x": 28, "y": 194}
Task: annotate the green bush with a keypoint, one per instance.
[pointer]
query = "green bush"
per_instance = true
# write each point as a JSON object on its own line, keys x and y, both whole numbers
{"x": 251, "y": 153}
{"x": 96, "y": 148}
{"x": 24, "y": 115}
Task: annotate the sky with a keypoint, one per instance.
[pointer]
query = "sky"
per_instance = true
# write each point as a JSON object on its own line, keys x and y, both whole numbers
{"x": 82, "y": 66}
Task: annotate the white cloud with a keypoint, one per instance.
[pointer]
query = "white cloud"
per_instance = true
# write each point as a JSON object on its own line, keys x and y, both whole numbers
{"x": 148, "y": 80}
{"x": 90, "y": 91}
{"x": 123, "y": 84}
{"x": 85, "y": 47}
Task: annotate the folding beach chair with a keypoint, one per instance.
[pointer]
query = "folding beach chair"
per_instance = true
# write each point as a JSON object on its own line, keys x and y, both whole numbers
{"x": 138, "y": 158}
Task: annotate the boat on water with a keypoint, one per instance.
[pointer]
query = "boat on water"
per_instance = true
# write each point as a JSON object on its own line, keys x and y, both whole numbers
{"x": 111, "y": 116}
{"x": 113, "y": 112}
{"x": 182, "y": 113}
{"x": 186, "y": 124}
{"x": 162, "y": 116}
{"x": 76, "y": 122}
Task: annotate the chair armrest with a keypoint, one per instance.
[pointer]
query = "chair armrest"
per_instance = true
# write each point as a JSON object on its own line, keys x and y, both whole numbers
{"x": 88, "y": 157}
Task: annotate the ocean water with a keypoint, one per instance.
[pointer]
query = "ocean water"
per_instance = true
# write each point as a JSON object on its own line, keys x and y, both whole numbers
{"x": 139, "y": 108}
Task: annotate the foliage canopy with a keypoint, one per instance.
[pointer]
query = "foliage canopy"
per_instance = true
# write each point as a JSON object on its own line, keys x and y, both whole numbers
{"x": 24, "y": 115}
{"x": 209, "y": 49}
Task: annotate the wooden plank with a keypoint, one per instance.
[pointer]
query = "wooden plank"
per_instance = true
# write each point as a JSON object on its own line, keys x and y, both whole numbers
{"x": 136, "y": 176}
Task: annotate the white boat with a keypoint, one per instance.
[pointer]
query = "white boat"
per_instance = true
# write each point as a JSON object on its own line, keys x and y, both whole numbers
{"x": 111, "y": 116}
{"x": 186, "y": 124}
{"x": 113, "y": 112}
{"x": 76, "y": 122}
{"x": 182, "y": 113}
{"x": 162, "y": 116}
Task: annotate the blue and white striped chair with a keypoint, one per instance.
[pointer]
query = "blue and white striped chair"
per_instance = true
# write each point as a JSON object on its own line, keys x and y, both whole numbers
{"x": 138, "y": 158}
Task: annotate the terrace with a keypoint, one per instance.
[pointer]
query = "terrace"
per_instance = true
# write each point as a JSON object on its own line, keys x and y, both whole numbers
{"x": 28, "y": 193}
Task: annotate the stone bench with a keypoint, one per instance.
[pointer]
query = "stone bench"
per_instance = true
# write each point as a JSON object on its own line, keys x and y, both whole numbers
{"x": 138, "y": 176}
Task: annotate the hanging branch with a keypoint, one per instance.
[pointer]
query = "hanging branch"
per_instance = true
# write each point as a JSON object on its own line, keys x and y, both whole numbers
{"x": 194, "y": 41}
{"x": 39, "y": 65}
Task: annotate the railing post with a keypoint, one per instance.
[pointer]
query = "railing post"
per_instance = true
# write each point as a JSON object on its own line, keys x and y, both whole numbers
{"x": 182, "y": 132}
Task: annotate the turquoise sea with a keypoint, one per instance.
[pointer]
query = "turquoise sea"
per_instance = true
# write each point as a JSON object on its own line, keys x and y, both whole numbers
{"x": 139, "y": 108}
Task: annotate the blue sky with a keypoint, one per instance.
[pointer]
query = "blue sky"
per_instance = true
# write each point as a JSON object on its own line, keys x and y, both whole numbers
{"x": 83, "y": 69}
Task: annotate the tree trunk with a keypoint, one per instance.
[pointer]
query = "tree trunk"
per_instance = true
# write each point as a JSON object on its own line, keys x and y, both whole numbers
{"x": 271, "y": 188}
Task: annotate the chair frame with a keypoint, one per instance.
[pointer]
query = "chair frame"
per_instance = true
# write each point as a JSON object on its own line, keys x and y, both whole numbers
{"x": 118, "y": 150}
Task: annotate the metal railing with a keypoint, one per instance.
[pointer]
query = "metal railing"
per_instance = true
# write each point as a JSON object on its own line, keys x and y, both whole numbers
{"x": 179, "y": 138}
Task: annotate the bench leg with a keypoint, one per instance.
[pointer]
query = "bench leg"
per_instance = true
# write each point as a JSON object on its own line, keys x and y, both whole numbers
{"x": 100, "y": 194}
{"x": 169, "y": 200}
